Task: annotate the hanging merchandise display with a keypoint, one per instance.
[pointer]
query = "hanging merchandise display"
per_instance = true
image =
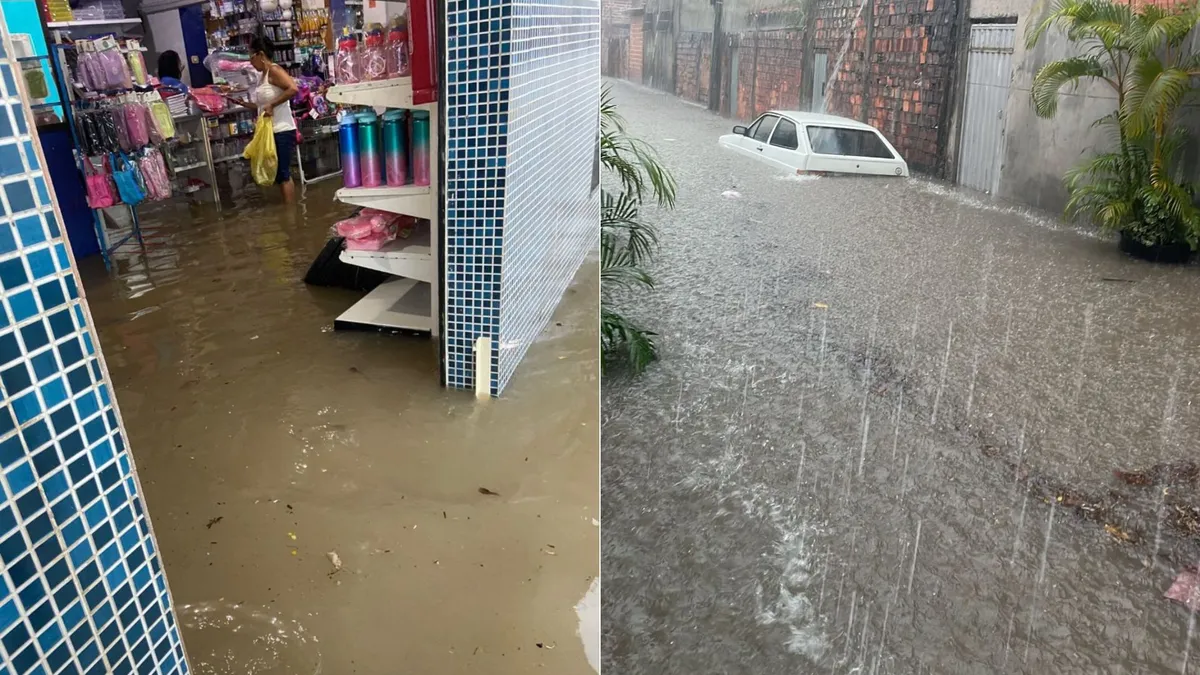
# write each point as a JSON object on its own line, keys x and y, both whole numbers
{"x": 137, "y": 63}
{"x": 101, "y": 193}
{"x": 125, "y": 175}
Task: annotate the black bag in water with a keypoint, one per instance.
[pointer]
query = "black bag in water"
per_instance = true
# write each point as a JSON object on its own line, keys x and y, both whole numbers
{"x": 329, "y": 270}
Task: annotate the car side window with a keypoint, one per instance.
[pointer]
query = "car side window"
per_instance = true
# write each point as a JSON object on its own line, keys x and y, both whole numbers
{"x": 848, "y": 142}
{"x": 871, "y": 145}
{"x": 762, "y": 128}
{"x": 785, "y": 135}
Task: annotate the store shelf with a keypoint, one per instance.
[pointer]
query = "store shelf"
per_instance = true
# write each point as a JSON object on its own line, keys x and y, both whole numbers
{"x": 231, "y": 158}
{"x": 400, "y": 304}
{"x": 394, "y": 93}
{"x": 410, "y": 200}
{"x": 412, "y": 258}
{"x": 190, "y": 167}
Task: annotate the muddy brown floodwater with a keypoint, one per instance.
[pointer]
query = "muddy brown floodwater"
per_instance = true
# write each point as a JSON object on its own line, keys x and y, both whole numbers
{"x": 266, "y": 442}
{"x": 883, "y": 433}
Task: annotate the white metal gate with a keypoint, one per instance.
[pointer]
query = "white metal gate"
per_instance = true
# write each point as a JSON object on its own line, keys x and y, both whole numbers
{"x": 989, "y": 76}
{"x": 820, "y": 75}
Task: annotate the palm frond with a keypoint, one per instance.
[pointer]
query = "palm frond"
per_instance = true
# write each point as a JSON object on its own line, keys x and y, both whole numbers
{"x": 623, "y": 339}
{"x": 1053, "y": 76}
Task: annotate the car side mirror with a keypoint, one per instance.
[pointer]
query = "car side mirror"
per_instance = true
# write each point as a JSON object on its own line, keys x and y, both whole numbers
{"x": 740, "y": 130}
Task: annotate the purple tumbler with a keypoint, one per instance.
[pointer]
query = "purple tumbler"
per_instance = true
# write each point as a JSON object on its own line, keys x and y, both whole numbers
{"x": 348, "y": 142}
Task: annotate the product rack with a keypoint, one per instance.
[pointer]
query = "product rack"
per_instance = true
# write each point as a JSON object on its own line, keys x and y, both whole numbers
{"x": 412, "y": 301}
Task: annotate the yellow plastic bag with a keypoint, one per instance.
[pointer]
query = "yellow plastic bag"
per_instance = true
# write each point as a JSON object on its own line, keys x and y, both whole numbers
{"x": 264, "y": 163}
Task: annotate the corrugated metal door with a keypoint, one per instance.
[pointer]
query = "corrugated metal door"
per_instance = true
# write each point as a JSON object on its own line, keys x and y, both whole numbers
{"x": 820, "y": 75}
{"x": 989, "y": 76}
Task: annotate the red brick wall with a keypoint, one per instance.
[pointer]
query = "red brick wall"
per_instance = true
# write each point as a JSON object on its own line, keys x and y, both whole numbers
{"x": 910, "y": 72}
{"x": 615, "y": 12}
{"x": 635, "y": 50}
{"x": 693, "y": 59}
{"x": 837, "y": 20}
{"x": 911, "y": 77}
{"x": 779, "y": 73}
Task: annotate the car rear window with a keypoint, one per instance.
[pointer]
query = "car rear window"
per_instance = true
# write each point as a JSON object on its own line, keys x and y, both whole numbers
{"x": 847, "y": 142}
{"x": 785, "y": 135}
{"x": 762, "y": 129}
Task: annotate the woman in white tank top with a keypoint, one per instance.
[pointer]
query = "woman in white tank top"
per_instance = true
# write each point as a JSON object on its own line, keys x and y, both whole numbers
{"x": 272, "y": 97}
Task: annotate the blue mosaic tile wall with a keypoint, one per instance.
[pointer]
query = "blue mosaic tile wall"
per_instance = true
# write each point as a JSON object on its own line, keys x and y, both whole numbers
{"x": 478, "y": 40}
{"x": 522, "y": 114}
{"x": 551, "y": 211}
{"x": 82, "y": 588}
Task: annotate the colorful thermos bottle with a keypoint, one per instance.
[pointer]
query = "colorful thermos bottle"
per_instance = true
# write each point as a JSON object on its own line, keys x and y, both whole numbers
{"x": 348, "y": 143}
{"x": 395, "y": 156}
{"x": 370, "y": 151}
{"x": 420, "y": 147}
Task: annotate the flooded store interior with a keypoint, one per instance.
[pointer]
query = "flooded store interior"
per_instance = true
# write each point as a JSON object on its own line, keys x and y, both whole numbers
{"x": 321, "y": 503}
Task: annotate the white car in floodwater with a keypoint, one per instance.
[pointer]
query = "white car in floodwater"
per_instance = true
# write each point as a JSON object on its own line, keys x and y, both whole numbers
{"x": 804, "y": 143}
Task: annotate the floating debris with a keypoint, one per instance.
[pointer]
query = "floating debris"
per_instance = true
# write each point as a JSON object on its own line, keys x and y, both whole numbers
{"x": 485, "y": 491}
{"x": 1119, "y": 534}
{"x": 1186, "y": 589}
{"x": 214, "y": 521}
{"x": 335, "y": 560}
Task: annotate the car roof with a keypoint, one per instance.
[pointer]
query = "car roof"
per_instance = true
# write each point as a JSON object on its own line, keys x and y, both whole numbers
{"x": 819, "y": 118}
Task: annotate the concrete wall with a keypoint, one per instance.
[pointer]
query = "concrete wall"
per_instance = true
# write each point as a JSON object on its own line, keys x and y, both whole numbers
{"x": 995, "y": 9}
{"x": 1038, "y": 151}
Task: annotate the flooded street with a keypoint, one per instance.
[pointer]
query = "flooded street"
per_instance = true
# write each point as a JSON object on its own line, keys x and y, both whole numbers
{"x": 321, "y": 503}
{"x": 883, "y": 432}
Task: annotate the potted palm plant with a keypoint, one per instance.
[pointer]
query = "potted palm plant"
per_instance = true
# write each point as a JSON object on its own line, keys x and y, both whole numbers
{"x": 1135, "y": 189}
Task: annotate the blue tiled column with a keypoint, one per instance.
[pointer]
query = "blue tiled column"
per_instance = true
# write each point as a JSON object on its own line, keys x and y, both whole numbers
{"x": 83, "y": 590}
{"x": 522, "y": 117}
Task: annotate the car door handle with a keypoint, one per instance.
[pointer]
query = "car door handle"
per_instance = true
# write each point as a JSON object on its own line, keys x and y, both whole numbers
{"x": 760, "y": 148}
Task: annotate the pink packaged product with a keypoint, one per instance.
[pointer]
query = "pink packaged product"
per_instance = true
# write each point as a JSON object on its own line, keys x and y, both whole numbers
{"x": 366, "y": 223}
{"x": 135, "y": 123}
{"x": 154, "y": 173}
{"x": 373, "y": 242}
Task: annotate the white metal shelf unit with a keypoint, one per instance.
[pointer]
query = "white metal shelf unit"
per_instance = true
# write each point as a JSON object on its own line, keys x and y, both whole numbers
{"x": 409, "y": 302}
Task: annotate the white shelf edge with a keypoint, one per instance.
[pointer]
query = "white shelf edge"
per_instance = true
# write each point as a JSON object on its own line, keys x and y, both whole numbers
{"x": 409, "y": 200}
{"x": 87, "y": 23}
{"x": 411, "y": 258}
{"x": 377, "y": 309}
{"x": 396, "y": 92}
{"x": 190, "y": 167}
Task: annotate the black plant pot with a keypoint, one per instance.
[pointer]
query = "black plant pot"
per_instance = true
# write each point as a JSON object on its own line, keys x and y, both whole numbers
{"x": 1175, "y": 253}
